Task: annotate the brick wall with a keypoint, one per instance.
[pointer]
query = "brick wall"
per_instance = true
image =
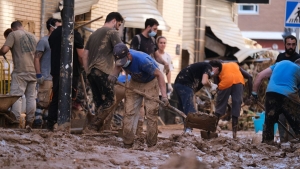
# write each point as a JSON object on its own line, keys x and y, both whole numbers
{"x": 172, "y": 12}
{"x": 103, "y": 8}
{"x": 10, "y": 10}
{"x": 270, "y": 18}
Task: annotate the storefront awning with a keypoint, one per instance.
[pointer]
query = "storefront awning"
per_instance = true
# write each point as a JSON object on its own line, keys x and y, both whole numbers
{"x": 80, "y": 7}
{"x": 136, "y": 12}
{"x": 219, "y": 17}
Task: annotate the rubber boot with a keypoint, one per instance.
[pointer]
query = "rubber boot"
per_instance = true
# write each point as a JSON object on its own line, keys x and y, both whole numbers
{"x": 235, "y": 121}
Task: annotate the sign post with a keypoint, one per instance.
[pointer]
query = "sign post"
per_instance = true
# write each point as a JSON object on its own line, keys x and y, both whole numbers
{"x": 292, "y": 17}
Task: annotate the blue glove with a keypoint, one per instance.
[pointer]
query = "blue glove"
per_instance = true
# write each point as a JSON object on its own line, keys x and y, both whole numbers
{"x": 254, "y": 95}
{"x": 40, "y": 78}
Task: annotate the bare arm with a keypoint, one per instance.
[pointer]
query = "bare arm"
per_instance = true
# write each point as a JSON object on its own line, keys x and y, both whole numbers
{"x": 249, "y": 78}
{"x": 160, "y": 60}
{"x": 80, "y": 55}
{"x": 205, "y": 80}
{"x": 85, "y": 60}
{"x": 169, "y": 77}
{"x": 161, "y": 82}
{"x": 260, "y": 76}
{"x": 4, "y": 50}
{"x": 37, "y": 58}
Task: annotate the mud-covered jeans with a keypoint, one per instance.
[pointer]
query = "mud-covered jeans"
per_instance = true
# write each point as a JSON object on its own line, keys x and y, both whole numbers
{"x": 276, "y": 104}
{"x": 24, "y": 83}
{"x": 133, "y": 104}
{"x": 185, "y": 98}
{"x": 103, "y": 90}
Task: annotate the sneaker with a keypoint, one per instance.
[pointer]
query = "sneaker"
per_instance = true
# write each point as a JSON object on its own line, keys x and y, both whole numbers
{"x": 188, "y": 131}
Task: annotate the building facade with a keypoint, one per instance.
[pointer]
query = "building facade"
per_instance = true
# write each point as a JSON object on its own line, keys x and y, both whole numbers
{"x": 263, "y": 23}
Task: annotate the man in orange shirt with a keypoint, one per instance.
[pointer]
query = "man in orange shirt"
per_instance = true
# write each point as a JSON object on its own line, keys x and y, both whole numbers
{"x": 230, "y": 82}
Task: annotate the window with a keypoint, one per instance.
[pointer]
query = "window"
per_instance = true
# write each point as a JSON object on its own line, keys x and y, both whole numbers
{"x": 248, "y": 9}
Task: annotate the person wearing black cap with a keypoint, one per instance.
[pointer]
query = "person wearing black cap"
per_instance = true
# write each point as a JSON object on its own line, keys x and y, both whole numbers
{"x": 146, "y": 77}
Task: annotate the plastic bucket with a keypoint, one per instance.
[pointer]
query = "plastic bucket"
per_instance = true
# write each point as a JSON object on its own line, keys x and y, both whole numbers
{"x": 259, "y": 125}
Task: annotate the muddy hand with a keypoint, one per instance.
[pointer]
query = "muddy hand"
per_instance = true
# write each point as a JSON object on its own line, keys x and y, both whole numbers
{"x": 165, "y": 100}
{"x": 112, "y": 79}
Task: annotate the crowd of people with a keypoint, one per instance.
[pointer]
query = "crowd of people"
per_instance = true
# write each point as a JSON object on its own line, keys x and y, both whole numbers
{"x": 143, "y": 66}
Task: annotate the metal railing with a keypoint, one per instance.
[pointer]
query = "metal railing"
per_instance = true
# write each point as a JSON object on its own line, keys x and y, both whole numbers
{"x": 4, "y": 77}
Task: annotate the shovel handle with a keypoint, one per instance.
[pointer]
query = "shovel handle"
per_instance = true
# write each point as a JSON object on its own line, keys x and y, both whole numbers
{"x": 279, "y": 122}
{"x": 152, "y": 98}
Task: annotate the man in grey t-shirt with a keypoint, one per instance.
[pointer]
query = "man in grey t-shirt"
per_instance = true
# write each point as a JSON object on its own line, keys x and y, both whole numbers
{"x": 42, "y": 64}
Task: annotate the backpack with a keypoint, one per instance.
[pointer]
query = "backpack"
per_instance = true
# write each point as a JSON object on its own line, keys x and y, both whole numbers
{"x": 139, "y": 39}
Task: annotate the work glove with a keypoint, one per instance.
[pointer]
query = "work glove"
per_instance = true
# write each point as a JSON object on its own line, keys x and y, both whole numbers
{"x": 40, "y": 78}
{"x": 254, "y": 96}
{"x": 112, "y": 79}
{"x": 170, "y": 88}
{"x": 165, "y": 100}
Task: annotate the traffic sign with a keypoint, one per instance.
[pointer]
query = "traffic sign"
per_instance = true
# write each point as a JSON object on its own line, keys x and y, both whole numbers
{"x": 292, "y": 13}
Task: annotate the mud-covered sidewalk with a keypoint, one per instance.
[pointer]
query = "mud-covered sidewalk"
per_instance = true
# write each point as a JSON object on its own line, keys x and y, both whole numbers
{"x": 41, "y": 149}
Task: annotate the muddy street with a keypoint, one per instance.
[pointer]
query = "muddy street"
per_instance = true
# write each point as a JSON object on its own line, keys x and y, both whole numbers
{"x": 42, "y": 149}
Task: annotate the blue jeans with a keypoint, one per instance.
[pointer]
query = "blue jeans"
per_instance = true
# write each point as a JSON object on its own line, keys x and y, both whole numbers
{"x": 185, "y": 98}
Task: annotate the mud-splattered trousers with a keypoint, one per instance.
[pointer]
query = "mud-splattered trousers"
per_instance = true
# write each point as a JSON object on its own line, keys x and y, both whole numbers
{"x": 24, "y": 83}
{"x": 236, "y": 93}
{"x": 103, "y": 90}
{"x": 276, "y": 104}
{"x": 133, "y": 104}
{"x": 185, "y": 96}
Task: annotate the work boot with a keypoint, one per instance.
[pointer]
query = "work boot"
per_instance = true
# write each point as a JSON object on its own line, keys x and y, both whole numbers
{"x": 38, "y": 121}
{"x": 29, "y": 124}
{"x": 98, "y": 121}
{"x": 235, "y": 121}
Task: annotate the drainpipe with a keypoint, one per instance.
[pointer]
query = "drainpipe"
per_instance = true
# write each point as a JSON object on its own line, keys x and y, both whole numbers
{"x": 200, "y": 31}
{"x": 42, "y": 18}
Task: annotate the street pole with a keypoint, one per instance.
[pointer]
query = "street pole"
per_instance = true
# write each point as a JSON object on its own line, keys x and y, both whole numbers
{"x": 66, "y": 68}
{"x": 297, "y": 36}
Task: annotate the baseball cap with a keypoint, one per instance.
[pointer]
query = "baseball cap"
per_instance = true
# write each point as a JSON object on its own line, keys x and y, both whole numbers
{"x": 120, "y": 52}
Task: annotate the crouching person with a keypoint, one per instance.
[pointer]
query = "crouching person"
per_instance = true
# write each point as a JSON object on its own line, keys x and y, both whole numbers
{"x": 145, "y": 77}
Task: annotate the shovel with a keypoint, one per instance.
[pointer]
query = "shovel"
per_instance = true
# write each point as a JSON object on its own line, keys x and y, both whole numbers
{"x": 152, "y": 98}
{"x": 77, "y": 125}
{"x": 201, "y": 121}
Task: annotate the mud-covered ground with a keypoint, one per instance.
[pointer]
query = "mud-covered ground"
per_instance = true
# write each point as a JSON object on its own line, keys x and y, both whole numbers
{"x": 43, "y": 149}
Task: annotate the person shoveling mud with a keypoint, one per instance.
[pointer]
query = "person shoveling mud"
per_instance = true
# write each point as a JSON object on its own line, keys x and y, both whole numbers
{"x": 230, "y": 80}
{"x": 190, "y": 80}
{"x": 145, "y": 76}
{"x": 281, "y": 96}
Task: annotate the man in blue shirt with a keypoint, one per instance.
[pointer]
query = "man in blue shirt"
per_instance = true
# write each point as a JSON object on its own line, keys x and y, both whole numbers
{"x": 145, "y": 77}
{"x": 281, "y": 96}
